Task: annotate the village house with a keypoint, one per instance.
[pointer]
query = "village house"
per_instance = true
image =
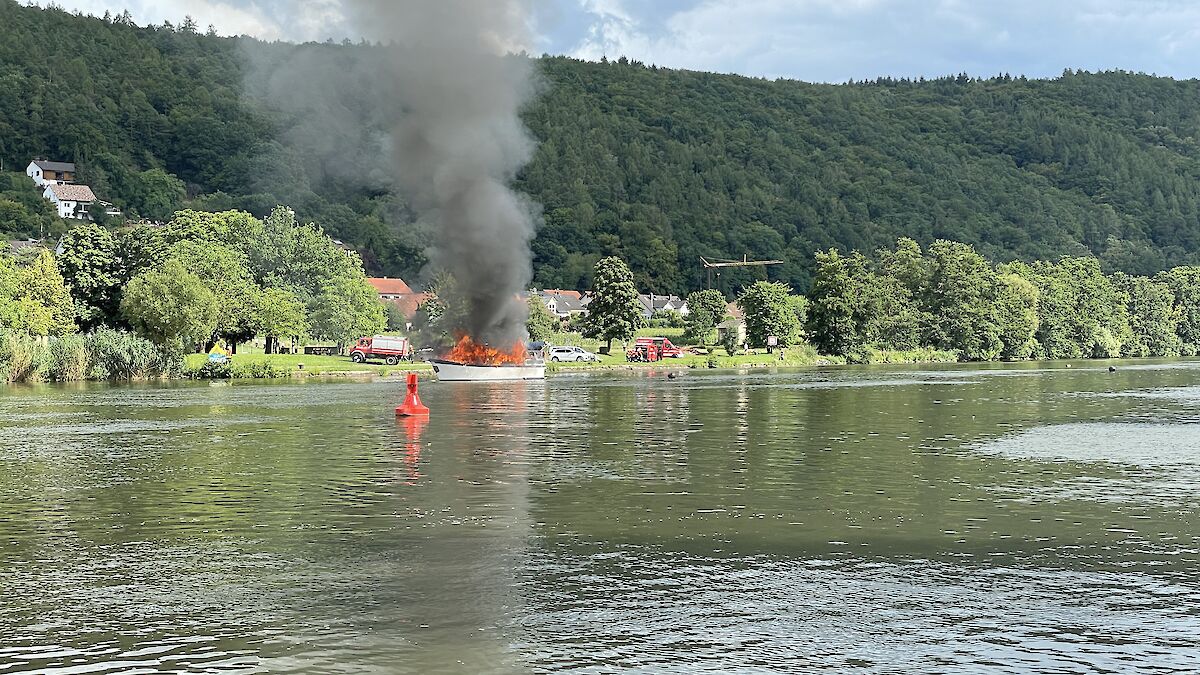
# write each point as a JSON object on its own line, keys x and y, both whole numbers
{"x": 564, "y": 304}
{"x": 397, "y": 292}
{"x": 735, "y": 324}
{"x": 71, "y": 201}
{"x": 653, "y": 304}
{"x": 19, "y": 247}
{"x": 44, "y": 172}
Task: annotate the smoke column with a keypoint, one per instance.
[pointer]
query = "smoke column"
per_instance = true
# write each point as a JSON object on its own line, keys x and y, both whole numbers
{"x": 459, "y": 142}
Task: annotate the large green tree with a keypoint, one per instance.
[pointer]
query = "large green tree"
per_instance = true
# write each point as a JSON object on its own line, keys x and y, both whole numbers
{"x": 614, "y": 312}
{"x": 1153, "y": 319}
{"x": 769, "y": 311}
{"x": 171, "y": 307}
{"x": 706, "y": 309}
{"x": 346, "y": 310}
{"x": 1184, "y": 285}
{"x": 278, "y": 315}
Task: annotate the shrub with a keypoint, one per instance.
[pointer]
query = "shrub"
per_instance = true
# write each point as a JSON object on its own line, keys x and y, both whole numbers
{"x": 67, "y": 359}
{"x": 258, "y": 370}
{"x": 22, "y": 358}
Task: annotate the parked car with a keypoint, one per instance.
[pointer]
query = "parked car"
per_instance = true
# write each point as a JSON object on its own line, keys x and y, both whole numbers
{"x": 570, "y": 354}
{"x": 390, "y": 349}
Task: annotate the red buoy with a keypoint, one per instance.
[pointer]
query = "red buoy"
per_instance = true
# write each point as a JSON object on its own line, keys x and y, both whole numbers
{"x": 412, "y": 405}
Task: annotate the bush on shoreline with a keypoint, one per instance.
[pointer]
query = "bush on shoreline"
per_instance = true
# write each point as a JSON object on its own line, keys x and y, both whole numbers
{"x": 103, "y": 355}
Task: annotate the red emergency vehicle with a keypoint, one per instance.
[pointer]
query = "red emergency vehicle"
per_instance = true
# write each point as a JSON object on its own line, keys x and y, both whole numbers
{"x": 652, "y": 349}
{"x": 390, "y": 349}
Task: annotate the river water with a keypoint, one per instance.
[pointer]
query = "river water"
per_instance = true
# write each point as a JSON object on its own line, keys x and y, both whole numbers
{"x": 1002, "y": 519}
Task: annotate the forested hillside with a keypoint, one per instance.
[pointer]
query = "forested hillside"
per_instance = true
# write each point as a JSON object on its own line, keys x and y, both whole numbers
{"x": 658, "y": 166}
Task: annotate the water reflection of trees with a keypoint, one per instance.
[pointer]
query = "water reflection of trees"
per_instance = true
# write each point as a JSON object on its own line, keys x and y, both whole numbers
{"x": 819, "y": 468}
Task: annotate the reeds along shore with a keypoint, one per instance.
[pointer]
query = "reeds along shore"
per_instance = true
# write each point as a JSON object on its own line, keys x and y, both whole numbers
{"x": 103, "y": 355}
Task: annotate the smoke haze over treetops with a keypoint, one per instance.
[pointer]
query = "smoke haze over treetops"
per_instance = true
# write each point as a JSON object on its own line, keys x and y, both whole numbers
{"x": 459, "y": 142}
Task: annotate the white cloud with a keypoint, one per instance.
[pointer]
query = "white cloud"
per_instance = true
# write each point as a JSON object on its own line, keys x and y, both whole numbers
{"x": 297, "y": 21}
{"x": 834, "y": 40}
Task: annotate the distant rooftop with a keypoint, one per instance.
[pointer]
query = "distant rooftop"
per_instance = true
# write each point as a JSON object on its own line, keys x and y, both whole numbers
{"x": 47, "y": 165}
{"x": 73, "y": 193}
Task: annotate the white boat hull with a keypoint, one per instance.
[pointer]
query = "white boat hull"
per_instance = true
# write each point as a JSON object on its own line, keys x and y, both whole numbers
{"x": 448, "y": 371}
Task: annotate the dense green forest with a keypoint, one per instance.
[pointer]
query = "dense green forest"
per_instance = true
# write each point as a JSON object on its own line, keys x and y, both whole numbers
{"x": 654, "y": 165}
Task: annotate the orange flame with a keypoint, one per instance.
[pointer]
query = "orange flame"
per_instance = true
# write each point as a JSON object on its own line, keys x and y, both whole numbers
{"x": 470, "y": 352}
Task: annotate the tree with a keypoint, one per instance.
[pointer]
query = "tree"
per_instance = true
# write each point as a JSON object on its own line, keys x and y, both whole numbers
{"x": 92, "y": 270}
{"x": 280, "y": 314}
{"x": 1153, "y": 319}
{"x": 33, "y": 299}
{"x": 706, "y": 309}
{"x": 41, "y": 283}
{"x": 346, "y": 310}
{"x": 1184, "y": 284}
{"x": 171, "y": 307}
{"x": 960, "y": 296}
{"x": 614, "y": 312}
{"x": 769, "y": 312}
{"x": 852, "y": 308}
{"x": 224, "y": 272}
{"x": 541, "y": 324}
{"x": 157, "y": 194}
{"x": 1015, "y": 313}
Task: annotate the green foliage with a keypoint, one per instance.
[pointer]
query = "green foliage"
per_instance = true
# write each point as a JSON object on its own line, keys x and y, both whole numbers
{"x": 614, "y": 312}
{"x": 1153, "y": 319}
{"x": 1184, "y": 285}
{"x": 852, "y": 306}
{"x": 769, "y": 310}
{"x": 730, "y": 342}
{"x": 541, "y": 324}
{"x": 280, "y": 314}
{"x": 960, "y": 295}
{"x": 101, "y": 355}
{"x": 346, "y": 310}
{"x": 171, "y": 306}
{"x": 654, "y": 165}
{"x": 258, "y": 370}
{"x": 154, "y": 194}
{"x": 24, "y": 213}
{"x": 706, "y": 309}
{"x": 90, "y": 263}
{"x": 33, "y": 297}
{"x": 1015, "y": 312}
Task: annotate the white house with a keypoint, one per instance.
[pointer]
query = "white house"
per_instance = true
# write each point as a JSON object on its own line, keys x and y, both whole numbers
{"x": 653, "y": 304}
{"x": 44, "y": 172}
{"x": 72, "y": 201}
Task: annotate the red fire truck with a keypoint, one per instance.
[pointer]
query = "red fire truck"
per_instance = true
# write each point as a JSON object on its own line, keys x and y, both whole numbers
{"x": 652, "y": 349}
{"x": 390, "y": 349}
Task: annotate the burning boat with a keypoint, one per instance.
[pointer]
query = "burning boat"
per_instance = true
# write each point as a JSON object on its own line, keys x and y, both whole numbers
{"x": 470, "y": 361}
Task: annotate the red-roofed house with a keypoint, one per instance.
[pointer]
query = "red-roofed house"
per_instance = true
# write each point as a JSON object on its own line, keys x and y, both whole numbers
{"x": 399, "y": 293}
{"x": 390, "y": 289}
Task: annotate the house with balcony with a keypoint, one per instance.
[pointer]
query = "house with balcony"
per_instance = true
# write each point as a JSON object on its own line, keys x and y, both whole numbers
{"x": 71, "y": 201}
{"x": 44, "y": 172}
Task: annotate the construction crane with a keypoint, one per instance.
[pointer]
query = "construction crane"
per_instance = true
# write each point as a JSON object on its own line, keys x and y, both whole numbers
{"x": 710, "y": 265}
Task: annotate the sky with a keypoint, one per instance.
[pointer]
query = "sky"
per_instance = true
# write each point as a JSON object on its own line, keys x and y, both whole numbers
{"x": 811, "y": 40}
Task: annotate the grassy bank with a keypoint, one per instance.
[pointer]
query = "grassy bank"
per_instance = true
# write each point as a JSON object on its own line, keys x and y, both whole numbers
{"x": 260, "y": 366}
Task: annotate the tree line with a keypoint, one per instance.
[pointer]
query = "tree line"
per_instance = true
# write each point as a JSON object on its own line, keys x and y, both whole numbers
{"x": 198, "y": 279}
{"x": 652, "y": 165}
{"x": 946, "y": 298}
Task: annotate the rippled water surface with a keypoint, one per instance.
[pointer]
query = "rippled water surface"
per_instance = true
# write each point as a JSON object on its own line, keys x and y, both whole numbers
{"x": 1003, "y": 519}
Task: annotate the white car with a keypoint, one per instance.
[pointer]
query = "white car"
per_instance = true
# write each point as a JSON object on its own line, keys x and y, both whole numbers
{"x": 557, "y": 354}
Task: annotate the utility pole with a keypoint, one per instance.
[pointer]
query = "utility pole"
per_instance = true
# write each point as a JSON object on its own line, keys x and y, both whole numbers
{"x": 718, "y": 265}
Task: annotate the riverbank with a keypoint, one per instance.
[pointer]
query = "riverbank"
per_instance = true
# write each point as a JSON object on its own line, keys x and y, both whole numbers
{"x": 281, "y": 366}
